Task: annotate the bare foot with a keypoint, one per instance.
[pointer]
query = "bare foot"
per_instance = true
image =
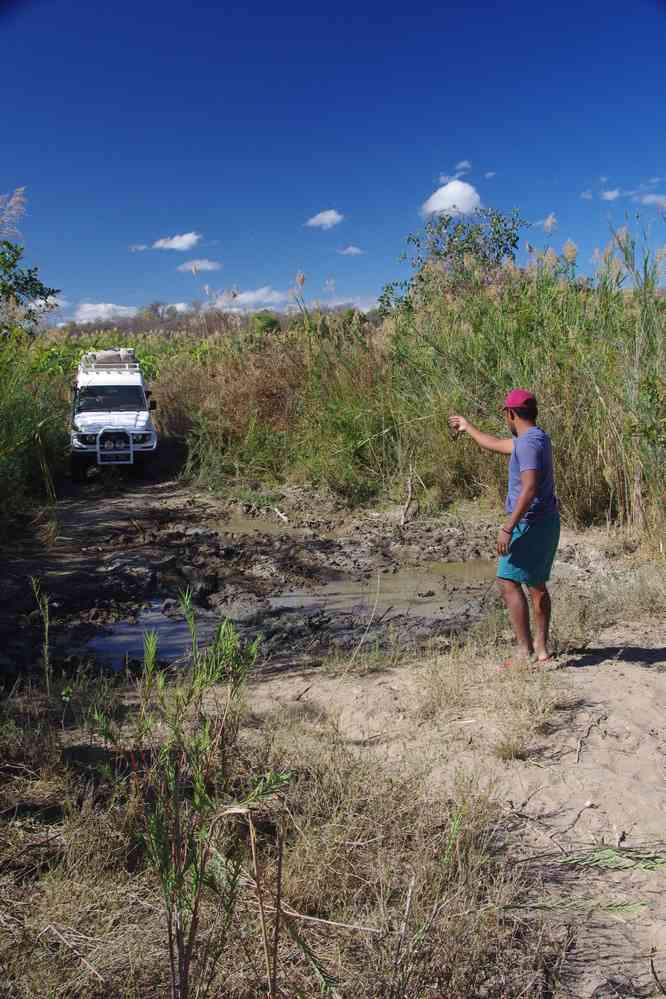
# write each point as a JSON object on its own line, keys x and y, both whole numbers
{"x": 519, "y": 661}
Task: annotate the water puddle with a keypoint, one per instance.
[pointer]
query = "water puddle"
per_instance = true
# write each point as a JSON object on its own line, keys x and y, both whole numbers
{"x": 422, "y": 589}
{"x": 476, "y": 570}
{"x": 240, "y": 523}
{"x": 426, "y": 592}
{"x": 124, "y": 639}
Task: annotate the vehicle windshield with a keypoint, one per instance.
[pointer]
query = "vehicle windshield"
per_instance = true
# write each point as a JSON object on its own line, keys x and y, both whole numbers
{"x": 110, "y": 398}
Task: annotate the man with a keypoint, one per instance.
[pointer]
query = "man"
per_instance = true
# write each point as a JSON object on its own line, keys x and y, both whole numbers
{"x": 528, "y": 539}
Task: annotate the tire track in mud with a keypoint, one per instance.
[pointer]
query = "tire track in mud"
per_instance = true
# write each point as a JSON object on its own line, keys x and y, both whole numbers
{"x": 311, "y": 577}
{"x": 312, "y": 580}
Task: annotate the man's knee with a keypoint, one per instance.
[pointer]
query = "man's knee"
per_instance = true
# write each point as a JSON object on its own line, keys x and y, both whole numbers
{"x": 539, "y": 594}
{"x": 508, "y": 587}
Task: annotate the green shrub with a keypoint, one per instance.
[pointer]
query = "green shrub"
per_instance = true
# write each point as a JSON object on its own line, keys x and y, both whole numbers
{"x": 33, "y": 412}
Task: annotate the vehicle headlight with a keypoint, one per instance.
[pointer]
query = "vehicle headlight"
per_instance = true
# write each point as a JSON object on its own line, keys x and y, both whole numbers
{"x": 86, "y": 438}
{"x": 141, "y": 438}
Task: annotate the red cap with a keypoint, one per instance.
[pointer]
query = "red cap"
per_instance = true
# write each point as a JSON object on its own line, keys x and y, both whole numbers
{"x": 518, "y": 397}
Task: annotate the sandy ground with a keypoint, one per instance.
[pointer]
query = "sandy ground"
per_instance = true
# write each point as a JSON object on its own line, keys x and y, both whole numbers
{"x": 596, "y": 780}
{"x": 592, "y": 779}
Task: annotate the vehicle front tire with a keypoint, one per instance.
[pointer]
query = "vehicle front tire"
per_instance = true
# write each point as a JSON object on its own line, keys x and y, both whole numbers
{"x": 78, "y": 468}
{"x": 144, "y": 465}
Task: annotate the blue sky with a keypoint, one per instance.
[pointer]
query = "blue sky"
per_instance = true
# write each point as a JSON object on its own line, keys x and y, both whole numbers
{"x": 231, "y": 126}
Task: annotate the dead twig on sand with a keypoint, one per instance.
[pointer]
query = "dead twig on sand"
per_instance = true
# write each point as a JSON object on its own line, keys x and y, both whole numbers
{"x": 303, "y": 692}
{"x": 588, "y": 804}
{"x": 658, "y": 981}
{"x": 581, "y": 741}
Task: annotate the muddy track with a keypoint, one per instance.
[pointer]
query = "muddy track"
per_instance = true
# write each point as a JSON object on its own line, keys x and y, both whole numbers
{"x": 125, "y": 549}
{"x": 309, "y": 576}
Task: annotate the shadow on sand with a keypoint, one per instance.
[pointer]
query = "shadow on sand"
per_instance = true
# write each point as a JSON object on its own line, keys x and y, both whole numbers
{"x": 634, "y": 655}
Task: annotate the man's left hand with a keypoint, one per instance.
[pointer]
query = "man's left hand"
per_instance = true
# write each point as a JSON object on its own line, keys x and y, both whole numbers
{"x": 503, "y": 542}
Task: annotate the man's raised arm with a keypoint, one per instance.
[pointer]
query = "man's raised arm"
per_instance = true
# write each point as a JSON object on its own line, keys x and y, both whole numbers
{"x": 503, "y": 445}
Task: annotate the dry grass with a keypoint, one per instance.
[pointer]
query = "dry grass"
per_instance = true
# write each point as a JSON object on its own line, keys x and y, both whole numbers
{"x": 232, "y": 389}
{"x": 385, "y": 892}
{"x": 391, "y": 884}
{"x": 511, "y": 747}
{"x": 626, "y": 595}
{"x": 510, "y": 707}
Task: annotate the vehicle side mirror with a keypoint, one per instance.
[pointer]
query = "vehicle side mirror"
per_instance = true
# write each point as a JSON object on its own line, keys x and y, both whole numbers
{"x": 152, "y": 404}
{"x": 148, "y": 393}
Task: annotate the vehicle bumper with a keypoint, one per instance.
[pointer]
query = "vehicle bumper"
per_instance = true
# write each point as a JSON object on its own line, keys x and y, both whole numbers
{"x": 116, "y": 456}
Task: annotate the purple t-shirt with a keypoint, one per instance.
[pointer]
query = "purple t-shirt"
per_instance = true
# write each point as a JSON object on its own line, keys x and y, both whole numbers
{"x": 532, "y": 450}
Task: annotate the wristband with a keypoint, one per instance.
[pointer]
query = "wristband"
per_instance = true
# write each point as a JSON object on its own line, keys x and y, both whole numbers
{"x": 506, "y": 531}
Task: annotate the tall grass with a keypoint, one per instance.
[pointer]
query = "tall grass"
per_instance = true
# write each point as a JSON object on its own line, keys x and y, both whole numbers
{"x": 358, "y": 409}
{"x": 32, "y": 428}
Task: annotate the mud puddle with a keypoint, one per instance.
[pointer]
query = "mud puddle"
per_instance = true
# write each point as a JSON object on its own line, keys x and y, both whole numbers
{"x": 242, "y": 524}
{"x": 405, "y": 590}
{"x": 420, "y": 601}
{"x": 123, "y": 640}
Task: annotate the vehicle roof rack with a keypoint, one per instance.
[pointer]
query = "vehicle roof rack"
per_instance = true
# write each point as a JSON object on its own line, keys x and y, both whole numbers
{"x": 114, "y": 359}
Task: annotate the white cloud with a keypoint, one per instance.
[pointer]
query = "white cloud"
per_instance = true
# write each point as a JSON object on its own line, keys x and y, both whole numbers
{"x": 549, "y": 224}
{"x": 329, "y": 285}
{"x": 181, "y": 306}
{"x": 489, "y": 174}
{"x": 351, "y": 251}
{"x": 654, "y": 199}
{"x": 459, "y": 170}
{"x": 194, "y": 266}
{"x": 455, "y": 198}
{"x": 90, "y": 312}
{"x": 586, "y": 195}
{"x": 610, "y": 195}
{"x": 138, "y": 247}
{"x": 49, "y": 304}
{"x": 325, "y": 220}
{"x": 362, "y": 304}
{"x": 183, "y": 242}
{"x": 255, "y": 299}
{"x": 603, "y": 180}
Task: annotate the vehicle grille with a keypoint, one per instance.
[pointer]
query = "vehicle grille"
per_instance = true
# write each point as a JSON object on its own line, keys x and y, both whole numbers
{"x": 114, "y": 441}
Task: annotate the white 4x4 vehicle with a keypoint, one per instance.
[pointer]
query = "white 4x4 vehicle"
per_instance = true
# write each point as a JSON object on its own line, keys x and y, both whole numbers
{"x": 111, "y": 422}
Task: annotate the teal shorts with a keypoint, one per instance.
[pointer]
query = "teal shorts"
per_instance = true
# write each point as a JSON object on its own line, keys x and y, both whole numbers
{"x": 531, "y": 551}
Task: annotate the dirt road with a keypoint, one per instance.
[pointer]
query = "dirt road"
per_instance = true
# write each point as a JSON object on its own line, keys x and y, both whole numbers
{"x": 308, "y": 576}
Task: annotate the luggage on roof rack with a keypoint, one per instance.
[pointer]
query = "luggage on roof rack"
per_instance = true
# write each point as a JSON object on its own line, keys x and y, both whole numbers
{"x": 115, "y": 358}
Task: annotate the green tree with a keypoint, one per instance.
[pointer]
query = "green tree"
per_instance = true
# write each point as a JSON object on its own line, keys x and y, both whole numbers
{"x": 20, "y": 291}
{"x": 265, "y": 322}
{"x": 461, "y": 250}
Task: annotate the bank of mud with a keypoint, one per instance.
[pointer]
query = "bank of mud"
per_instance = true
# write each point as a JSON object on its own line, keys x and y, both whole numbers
{"x": 311, "y": 577}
